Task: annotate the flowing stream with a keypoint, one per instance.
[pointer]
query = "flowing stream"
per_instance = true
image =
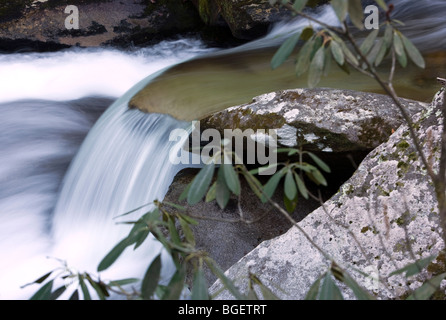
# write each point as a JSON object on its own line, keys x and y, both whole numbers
{"x": 73, "y": 156}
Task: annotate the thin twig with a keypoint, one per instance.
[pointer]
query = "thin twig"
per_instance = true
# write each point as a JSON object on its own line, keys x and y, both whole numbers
{"x": 392, "y": 72}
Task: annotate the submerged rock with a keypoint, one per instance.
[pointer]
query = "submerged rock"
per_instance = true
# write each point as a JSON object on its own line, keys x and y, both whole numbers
{"x": 385, "y": 213}
{"x": 324, "y": 120}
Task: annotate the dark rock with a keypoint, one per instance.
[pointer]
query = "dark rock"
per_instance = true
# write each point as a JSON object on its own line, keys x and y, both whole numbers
{"x": 101, "y": 22}
{"x": 224, "y": 237}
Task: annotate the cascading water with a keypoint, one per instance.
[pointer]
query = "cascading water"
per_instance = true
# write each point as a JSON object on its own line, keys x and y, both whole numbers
{"x": 123, "y": 162}
{"x": 125, "y": 153}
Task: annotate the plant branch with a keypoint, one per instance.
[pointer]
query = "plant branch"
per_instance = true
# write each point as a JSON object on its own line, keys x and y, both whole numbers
{"x": 308, "y": 17}
{"x": 397, "y": 102}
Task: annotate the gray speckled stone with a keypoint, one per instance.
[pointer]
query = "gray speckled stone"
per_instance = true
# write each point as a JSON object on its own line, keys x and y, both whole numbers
{"x": 389, "y": 193}
{"x": 328, "y": 120}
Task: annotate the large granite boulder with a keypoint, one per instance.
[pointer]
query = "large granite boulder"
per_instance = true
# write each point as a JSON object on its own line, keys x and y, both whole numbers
{"x": 319, "y": 119}
{"x": 383, "y": 218}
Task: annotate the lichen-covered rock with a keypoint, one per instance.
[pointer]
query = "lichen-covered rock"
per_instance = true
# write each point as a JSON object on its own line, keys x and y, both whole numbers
{"x": 39, "y": 24}
{"x": 318, "y": 119}
{"x": 379, "y": 218}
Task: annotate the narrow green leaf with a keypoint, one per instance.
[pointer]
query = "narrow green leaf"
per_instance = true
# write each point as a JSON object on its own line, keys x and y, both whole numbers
{"x": 373, "y": 54}
{"x": 316, "y": 68}
{"x": 267, "y": 293}
{"x": 360, "y": 293}
{"x": 317, "y": 44}
{"x": 329, "y": 289}
{"x": 183, "y": 195}
{"x": 305, "y": 167}
{"x": 314, "y": 290}
{"x": 254, "y": 184}
{"x": 349, "y": 55}
{"x": 224, "y": 280}
{"x": 174, "y": 205}
{"x": 75, "y": 295}
{"x": 270, "y": 187}
{"x": 222, "y": 193}
{"x": 388, "y": 35}
{"x": 122, "y": 282}
{"x": 428, "y": 288}
{"x": 285, "y": 51}
{"x": 301, "y": 186}
{"x": 414, "y": 268}
{"x": 307, "y": 33}
{"x": 188, "y": 233}
{"x": 252, "y": 295}
{"x": 319, "y": 162}
{"x": 44, "y": 293}
{"x": 303, "y": 58}
{"x": 382, "y": 4}
{"x": 399, "y": 22}
{"x": 189, "y": 219}
{"x": 399, "y": 50}
{"x": 290, "y": 185}
{"x": 319, "y": 177}
{"x": 100, "y": 289}
{"x": 356, "y": 13}
{"x": 413, "y": 52}
{"x": 174, "y": 236}
{"x": 210, "y": 196}
{"x": 337, "y": 52}
{"x": 200, "y": 287}
{"x": 327, "y": 62}
{"x": 341, "y": 8}
{"x": 299, "y": 5}
{"x": 151, "y": 279}
{"x": 58, "y": 292}
{"x": 369, "y": 41}
{"x": 114, "y": 254}
{"x": 381, "y": 54}
{"x": 40, "y": 280}
{"x": 141, "y": 237}
{"x": 316, "y": 176}
{"x": 200, "y": 184}
{"x": 290, "y": 204}
{"x": 231, "y": 178}
{"x": 85, "y": 292}
{"x": 176, "y": 286}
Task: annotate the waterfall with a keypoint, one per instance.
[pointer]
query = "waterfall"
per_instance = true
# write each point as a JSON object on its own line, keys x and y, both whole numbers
{"x": 122, "y": 164}
{"x": 49, "y": 103}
